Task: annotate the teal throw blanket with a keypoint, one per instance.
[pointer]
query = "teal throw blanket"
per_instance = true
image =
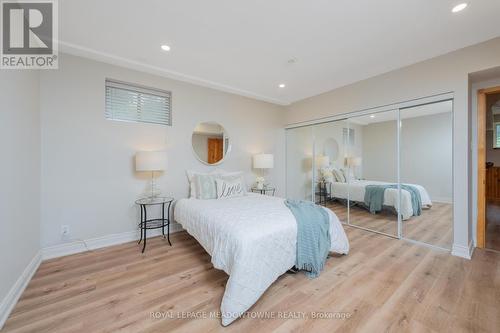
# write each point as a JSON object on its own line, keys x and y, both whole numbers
{"x": 313, "y": 236}
{"x": 374, "y": 197}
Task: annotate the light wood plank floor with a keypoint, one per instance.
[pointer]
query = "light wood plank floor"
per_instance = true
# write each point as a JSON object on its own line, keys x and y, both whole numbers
{"x": 383, "y": 285}
{"x": 493, "y": 226}
{"x": 434, "y": 226}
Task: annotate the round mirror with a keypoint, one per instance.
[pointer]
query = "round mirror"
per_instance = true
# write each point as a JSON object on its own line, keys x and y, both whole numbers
{"x": 210, "y": 143}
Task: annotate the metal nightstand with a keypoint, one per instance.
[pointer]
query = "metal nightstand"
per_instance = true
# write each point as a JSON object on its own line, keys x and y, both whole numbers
{"x": 264, "y": 190}
{"x": 147, "y": 224}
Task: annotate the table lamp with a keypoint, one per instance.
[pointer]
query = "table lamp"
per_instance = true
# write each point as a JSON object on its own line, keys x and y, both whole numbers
{"x": 322, "y": 161}
{"x": 353, "y": 162}
{"x": 262, "y": 162}
{"x": 151, "y": 161}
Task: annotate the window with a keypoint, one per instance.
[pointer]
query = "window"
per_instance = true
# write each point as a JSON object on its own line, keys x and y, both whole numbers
{"x": 496, "y": 143}
{"x": 130, "y": 102}
{"x": 348, "y": 136}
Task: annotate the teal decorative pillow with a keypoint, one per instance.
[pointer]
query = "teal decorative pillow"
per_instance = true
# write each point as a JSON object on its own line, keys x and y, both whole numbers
{"x": 205, "y": 187}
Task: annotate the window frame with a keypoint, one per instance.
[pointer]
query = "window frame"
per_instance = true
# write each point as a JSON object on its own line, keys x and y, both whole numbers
{"x": 140, "y": 90}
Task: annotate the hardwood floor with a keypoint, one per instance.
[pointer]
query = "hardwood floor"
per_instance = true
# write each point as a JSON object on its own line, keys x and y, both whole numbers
{"x": 434, "y": 226}
{"x": 382, "y": 285}
{"x": 493, "y": 226}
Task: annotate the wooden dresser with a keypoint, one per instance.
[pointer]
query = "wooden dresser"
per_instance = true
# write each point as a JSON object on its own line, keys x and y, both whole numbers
{"x": 493, "y": 183}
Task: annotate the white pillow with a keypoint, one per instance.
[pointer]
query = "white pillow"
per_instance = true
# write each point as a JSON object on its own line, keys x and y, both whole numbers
{"x": 348, "y": 175}
{"x": 196, "y": 179}
{"x": 228, "y": 187}
{"x": 205, "y": 187}
{"x": 339, "y": 176}
{"x": 193, "y": 191}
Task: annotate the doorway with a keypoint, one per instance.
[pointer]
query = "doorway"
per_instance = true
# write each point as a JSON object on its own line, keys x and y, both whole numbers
{"x": 488, "y": 161}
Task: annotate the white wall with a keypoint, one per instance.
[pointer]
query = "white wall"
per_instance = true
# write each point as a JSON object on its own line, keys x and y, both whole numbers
{"x": 447, "y": 73}
{"x": 379, "y": 157}
{"x": 88, "y": 178}
{"x": 19, "y": 175}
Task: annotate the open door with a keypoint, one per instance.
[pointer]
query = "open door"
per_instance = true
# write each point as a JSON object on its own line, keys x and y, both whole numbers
{"x": 481, "y": 163}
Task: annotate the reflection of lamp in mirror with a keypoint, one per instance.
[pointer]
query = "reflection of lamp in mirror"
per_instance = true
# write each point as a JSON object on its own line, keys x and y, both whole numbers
{"x": 322, "y": 161}
{"x": 151, "y": 161}
{"x": 353, "y": 162}
{"x": 262, "y": 162}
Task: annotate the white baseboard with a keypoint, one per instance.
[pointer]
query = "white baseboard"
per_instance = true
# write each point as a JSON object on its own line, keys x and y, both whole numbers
{"x": 463, "y": 251}
{"x": 17, "y": 289}
{"x": 77, "y": 246}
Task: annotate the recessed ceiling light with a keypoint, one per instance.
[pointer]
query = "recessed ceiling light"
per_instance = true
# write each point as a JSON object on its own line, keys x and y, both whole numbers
{"x": 282, "y": 85}
{"x": 459, "y": 8}
{"x": 372, "y": 116}
{"x": 165, "y": 48}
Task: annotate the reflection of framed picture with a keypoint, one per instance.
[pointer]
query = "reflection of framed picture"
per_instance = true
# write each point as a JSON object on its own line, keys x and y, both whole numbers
{"x": 348, "y": 136}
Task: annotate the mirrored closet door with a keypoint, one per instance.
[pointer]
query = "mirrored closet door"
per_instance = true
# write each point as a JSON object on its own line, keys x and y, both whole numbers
{"x": 299, "y": 163}
{"x": 378, "y": 175}
{"x": 426, "y": 171}
{"x": 372, "y": 178}
{"x": 330, "y": 153}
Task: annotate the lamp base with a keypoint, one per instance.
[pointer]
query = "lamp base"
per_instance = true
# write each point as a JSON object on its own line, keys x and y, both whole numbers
{"x": 154, "y": 190}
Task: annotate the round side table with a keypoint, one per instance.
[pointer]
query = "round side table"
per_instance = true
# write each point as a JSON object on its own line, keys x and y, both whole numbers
{"x": 264, "y": 190}
{"x": 156, "y": 223}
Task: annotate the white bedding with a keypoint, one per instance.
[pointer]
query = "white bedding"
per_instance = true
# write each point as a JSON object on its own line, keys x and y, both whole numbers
{"x": 252, "y": 238}
{"x": 356, "y": 191}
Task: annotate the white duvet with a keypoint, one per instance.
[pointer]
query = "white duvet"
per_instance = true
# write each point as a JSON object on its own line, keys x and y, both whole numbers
{"x": 252, "y": 238}
{"x": 356, "y": 191}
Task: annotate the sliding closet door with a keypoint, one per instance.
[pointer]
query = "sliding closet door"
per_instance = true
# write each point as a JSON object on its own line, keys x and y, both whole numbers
{"x": 330, "y": 153}
{"x": 299, "y": 163}
{"x": 370, "y": 167}
{"x": 426, "y": 142}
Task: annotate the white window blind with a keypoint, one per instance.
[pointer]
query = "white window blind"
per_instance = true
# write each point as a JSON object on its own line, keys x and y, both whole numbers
{"x": 130, "y": 102}
{"x": 497, "y": 135}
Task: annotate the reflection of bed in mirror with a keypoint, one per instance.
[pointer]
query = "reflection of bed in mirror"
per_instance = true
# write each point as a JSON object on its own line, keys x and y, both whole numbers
{"x": 355, "y": 191}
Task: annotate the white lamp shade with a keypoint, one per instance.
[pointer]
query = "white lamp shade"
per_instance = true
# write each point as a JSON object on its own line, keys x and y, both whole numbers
{"x": 150, "y": 161}
{"x": 353, "y": 161}
{"x": 322, "y": 161}
{"x": 263, "y": 161}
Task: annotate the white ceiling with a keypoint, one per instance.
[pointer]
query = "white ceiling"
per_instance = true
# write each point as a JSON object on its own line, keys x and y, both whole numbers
{"x": 244, "y": 46}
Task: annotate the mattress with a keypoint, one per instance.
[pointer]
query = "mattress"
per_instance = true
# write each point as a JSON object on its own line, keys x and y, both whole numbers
{"x": 355, "y": 190}
{"x": 251, "y": 238}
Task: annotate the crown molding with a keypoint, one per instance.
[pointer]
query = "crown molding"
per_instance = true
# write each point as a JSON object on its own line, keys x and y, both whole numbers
{"x": 109, "y": 58}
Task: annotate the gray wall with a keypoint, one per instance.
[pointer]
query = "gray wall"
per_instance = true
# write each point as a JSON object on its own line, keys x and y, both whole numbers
{"x": 426, "y": 153}
{"x": 88, "y": 178}
{"x": 19, "y": 174}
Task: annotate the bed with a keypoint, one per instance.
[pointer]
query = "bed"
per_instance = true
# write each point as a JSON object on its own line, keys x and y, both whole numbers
{"x": 355, "y": 189}
{"x": 252, "y": 238}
